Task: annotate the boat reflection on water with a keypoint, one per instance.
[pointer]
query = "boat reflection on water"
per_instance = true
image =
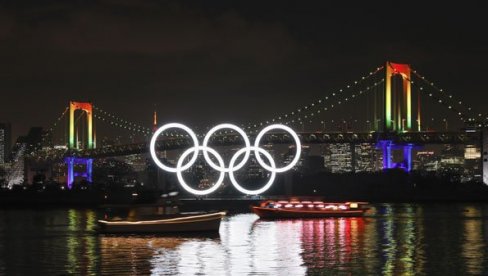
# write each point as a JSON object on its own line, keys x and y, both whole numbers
{"x": 331, "y": 244}
{"x": 159, "y": 255}
{"x": 393, "y": 239}
{"x": 245, "y": 245}
{"x": 317, "y": 244}
{"x": 131, "y": 254}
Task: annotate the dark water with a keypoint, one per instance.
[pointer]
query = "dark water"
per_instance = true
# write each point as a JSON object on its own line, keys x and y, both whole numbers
{"x": 433, "y": 239}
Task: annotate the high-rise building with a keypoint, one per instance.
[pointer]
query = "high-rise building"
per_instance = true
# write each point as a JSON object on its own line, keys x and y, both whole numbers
{"x": 338, "y": 158}
{"x": 366, "y": 158}
{"x": 5, "y": 142}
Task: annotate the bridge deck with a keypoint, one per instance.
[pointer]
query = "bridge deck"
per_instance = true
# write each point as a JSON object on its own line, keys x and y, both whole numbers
{"x": 418, "y": 138}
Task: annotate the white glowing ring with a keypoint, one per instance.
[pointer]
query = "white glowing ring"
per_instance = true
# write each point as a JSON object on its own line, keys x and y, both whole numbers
{"x": 180, "y": 169}
{"x": 297, "y": 142}
{"x": 221, "y": 166}
{"x": 152, "y": 147}
{"x": 271, "y": 178}
{"x": 246, "y": 142}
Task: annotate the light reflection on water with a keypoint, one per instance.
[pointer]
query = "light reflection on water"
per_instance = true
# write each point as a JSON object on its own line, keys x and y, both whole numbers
{"x": 392, "y": 239}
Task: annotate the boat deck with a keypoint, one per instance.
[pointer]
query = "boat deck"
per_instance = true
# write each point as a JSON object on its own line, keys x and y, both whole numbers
{"x": 308, "y": 209}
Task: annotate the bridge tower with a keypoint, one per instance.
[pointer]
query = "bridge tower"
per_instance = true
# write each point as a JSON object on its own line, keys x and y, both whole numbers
{"x": 398, "y": 115}
{"x": 398, "y": 104}
{"x": 71, "y": 162}
{"x": 88, "y": 108}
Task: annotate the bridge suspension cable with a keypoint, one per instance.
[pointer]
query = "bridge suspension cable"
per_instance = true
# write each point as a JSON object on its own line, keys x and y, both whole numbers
{"x": 312, "y": 114}
{"x": 461, "y": 109}
{"x": 124, "y": 124}
{"x": 53, "y": 125}
{"x": 120, "y": 122}
{"x": 437, "y": 99}
{"x": 324, "y": 104}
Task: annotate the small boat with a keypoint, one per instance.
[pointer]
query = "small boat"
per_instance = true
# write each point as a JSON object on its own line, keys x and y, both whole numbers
{"x": 182, "y": 222}
{"x": 308, "y": 209}
{"x": 163, "y": 216}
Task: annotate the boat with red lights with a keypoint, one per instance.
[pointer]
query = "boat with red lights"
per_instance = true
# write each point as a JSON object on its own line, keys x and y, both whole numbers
{"x": 270, "y": 209}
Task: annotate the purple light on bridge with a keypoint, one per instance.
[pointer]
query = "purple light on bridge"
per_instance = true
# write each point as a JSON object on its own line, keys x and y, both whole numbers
{"x": 71, "y": 162}
{"x": 387, "y": 146}
{"x": 407, "y": 156}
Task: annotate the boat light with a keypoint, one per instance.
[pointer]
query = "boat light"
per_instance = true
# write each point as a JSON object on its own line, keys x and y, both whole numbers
{"x": 342, "y": 207}
{"x": 353, "y": 205}
{"x": 298, "y": 205}
{"x": 278, "y": 205}
{"x": 310, "y": 205}
{"x": 288, "y": 205}
{"x": 331, "y": 207}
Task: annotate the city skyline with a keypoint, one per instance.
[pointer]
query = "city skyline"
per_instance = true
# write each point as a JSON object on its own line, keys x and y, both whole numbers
{"x": 221, "y": 137}
{"x": 226, "y": 56}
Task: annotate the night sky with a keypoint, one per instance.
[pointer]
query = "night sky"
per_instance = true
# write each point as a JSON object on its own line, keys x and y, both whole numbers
{"x": 205, "y": 62}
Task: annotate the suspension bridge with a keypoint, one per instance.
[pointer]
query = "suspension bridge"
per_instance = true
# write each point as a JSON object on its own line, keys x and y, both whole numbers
{"x": 393, "y": 102}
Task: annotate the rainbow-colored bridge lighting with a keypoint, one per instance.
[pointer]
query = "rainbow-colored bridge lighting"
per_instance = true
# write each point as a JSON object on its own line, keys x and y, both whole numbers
{"x": 88, "y": 108}
{"x": 72, "y": 161}
{"x": 398, "y": 106}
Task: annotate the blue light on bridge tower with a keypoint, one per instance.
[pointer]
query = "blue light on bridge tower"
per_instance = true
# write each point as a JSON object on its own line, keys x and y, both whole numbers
{"x": 71, "y": 162}
{"x": 386, "y": 147}
{"x": 407, "y": 156}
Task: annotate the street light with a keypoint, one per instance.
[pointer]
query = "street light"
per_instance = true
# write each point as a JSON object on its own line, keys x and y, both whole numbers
{"x": 323, "y": 126}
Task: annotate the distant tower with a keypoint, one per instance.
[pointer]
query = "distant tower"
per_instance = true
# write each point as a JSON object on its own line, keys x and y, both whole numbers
{"x": 155, "y": 127}
{"x": 155, "y": 121}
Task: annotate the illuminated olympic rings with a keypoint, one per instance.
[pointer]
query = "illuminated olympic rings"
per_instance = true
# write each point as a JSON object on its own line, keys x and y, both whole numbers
{"x": 220, "y": 167}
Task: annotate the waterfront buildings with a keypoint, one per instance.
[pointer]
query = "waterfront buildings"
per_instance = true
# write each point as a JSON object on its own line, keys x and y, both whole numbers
{"x": 5, "y": 142}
